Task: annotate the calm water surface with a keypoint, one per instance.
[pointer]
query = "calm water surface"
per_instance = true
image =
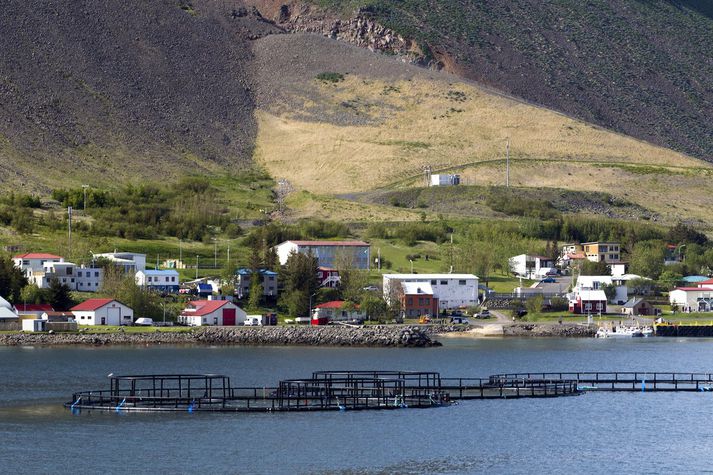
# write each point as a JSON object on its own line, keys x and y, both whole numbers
{"x": 596, "y": 433}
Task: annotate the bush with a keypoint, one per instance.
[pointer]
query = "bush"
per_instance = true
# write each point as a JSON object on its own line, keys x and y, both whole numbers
{"x": 330, "y": 77}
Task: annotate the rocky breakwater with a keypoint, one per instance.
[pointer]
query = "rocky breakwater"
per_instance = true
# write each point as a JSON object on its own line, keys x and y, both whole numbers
{"x": 370, "y": 336}
{"x": 549, "y": 330}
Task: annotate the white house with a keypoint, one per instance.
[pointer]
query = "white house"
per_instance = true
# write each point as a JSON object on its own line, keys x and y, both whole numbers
{"x": 328, "y": 253}
{"x": 597, "y": 282}
{"x": 212, "y": 313}
{"x": 451, "y": 290}
{"x": 102, "y": 312}
{"x": 129, "y": 262}
{"x": 332, "y": 311}
{"x": 34, "y": 262}
{"x": 84, "y": 279}
{"x": 444, "y": 180}
{"x": 693, "y": 299}
{"x": 531, "y": 267}
{"x": 158, "y": 280}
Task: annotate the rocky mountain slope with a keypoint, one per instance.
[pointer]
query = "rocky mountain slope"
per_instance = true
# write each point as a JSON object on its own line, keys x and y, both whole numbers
{"x": 126, "y": 89}
{"x": 643, "y": 68}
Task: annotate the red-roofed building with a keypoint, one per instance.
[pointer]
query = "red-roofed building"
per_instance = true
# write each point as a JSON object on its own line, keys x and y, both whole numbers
{"x": 102, "y": 312}
{"x": 333, "y": 311}
{"x": 328, "y": 253}
{"x": 212, "y": 313}
{"x": 34, "y": 310}
{"x": 328, "y": 277}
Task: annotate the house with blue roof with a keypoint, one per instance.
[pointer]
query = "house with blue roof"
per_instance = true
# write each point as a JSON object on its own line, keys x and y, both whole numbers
{"x": 158, "y": 280}
{"x": 243, "y": 278}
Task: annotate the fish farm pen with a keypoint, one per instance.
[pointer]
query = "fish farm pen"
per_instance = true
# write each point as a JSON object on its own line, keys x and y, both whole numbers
{"x": 361, "y": 390}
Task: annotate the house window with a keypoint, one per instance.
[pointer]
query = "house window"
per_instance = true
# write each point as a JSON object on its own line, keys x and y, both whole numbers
{"x": 461, "y": 282}
{"x": 69, "y": 271}
{"x": 79, "y": 274}
{"x": 96, "y": 274}
{"x": 433, "y": 282}
{"x": 409, "y": 301}
{"x": 173, "y": 279}
{"x": 444, "y": 282}
{"x": 25, "y": 263}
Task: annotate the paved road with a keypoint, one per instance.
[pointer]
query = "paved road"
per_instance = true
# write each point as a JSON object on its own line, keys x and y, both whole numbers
{"x": 560, "y": 285}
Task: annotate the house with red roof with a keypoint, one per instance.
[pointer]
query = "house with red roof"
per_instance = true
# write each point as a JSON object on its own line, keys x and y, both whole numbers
{"x": 328, "y": 253}
{"x": 34, "y": 310}
{"x": 212, "y": 313}
{"x": 102, "y": 312}
{"x": 335, "y": 311}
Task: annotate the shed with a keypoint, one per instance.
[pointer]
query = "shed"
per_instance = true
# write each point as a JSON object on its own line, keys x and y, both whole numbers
{"x": 638, "y": 306}
{"x": 212, "y": 313}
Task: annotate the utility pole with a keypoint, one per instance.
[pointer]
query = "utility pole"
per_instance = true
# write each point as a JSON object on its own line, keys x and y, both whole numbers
{"x": 507, "y": 164}
{"x": 85, "y": 197}
{"x": 215, "y": 253}
{"x": 180, "y": 250}
{"x": 196, "y": 266}
{"x": 69, "y": 231}
{"x": 228, "y": 257}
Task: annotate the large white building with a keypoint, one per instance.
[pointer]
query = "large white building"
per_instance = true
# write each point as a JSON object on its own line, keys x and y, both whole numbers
{"x": 451, "y": 290}
{"x": 158, "y": 280}
{"x": 693, "y": 299}
{"x": 328, "y": 253}
{"x": 40, "y": 269}
{"x": 444, "y": 180}
{"x": 102, "y": 312}
{"x": 129, "y": 262}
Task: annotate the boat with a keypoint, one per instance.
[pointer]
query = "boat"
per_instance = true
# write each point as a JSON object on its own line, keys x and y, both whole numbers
{"x": 624, "y": 332}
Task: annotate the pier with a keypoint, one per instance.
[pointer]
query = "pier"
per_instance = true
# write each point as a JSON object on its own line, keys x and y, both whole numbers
{"x": 363, "y": 390}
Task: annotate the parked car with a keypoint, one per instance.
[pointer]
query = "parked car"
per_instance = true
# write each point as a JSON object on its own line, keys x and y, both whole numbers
{"x": 485, "y": 313}
{"x": 549, "y": 280}
{"x": 460, "y": 321}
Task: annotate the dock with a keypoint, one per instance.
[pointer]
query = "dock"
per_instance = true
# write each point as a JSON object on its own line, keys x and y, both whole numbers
{"x": 362, "y": 390}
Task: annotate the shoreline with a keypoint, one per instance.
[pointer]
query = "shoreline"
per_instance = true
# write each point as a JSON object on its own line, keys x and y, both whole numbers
{"x": 396, "y": 336}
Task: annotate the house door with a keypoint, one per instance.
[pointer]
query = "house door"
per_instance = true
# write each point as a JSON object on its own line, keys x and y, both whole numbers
{"x": 228, "y": 316}
{"x": 103, "y": 320}
{"x": 114, "y": 316}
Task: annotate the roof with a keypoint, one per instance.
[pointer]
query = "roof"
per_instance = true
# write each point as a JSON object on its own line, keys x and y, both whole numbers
{"x": 705, "y": 282}
{"x": 430, "y": 276}
{"x": 37, "y": 255}
{"x": 204, "y": 307}
{"x": 159, "y": 272}
{"x": 332, "y": 304}
{"x": 695, "y": 278}
{"x": 7, "y": 314}
{"x": 34, "y": 307}
{"x": 91, "y": 305}
{"x": 415, "y": 288}
{"x": 694, "y": 289}
{"x": 576, "y": 255}
{"x": 588, "y": 280}
{"x": 600, "y": 242}
{"x": 246, "y": 271}
{"x": 633, "y": 302}
{"x": 595, "y": 295}
{"x": 329, "y": 243}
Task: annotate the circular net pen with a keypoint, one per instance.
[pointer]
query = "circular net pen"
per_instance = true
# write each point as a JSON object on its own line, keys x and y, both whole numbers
{"x": 411, "y": 379}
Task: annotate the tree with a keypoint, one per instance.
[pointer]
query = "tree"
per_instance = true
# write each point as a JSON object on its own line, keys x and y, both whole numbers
{"x": 12, "y": 280}
{"x": 640, "y": 286}
{"x": 270, "y": 259}
{"x": 609, "y": 290}
{"x": 300, "y": 283}
{"x": 395, "y": 299}
{"x": 255, "y": 296}
{"x": 59, "y": 296}
{"x": 669, "y": 279}
{"x": 588, "y": 267}
{"x": 33, "y": 294}
{"x": 647, "y": 258}
{"x": 682, "y": 233}
{"x": 375, "y": 307}
{"x": 534, "y": 304}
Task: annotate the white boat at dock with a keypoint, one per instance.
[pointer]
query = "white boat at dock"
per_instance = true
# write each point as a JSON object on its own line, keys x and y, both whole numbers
{"x": 624, "y": 332}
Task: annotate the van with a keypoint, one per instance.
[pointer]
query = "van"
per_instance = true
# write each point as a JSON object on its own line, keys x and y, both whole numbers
{"x": 253, "y": 321}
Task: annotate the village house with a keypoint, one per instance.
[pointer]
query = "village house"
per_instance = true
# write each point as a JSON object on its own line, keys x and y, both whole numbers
{"x": 588, "y": 301}
{"x": 34, "y": 262}
{"x": 532, "y": 267}
{"x": 128, "y": 262}
{"x": 268, "y": 282}
{"x": 328, "y": 253}
{"x": 693, "y": 299}
{"x": 212, "y": 313}
{"x": 451, "y": 290}
{"x": 102, "y": 312}
{"x": 158, "y": 280}
{"x": 444, "y": 180}
{"x": 328, "y": 277}
{"x": 597, "y": 282}
{"x": 417, "y": 300}
{"x": 602, "y": 251}
{"x": 333, "y": 311}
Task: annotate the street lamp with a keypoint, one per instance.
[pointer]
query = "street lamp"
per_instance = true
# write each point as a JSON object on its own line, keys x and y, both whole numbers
{"x": 411, "y": 261}
{"x": 310, "y": 304}
{"x": 85, "y": 197}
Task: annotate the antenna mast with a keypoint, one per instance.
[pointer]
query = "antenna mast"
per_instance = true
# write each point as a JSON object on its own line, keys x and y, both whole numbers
{"x": 507, "y": 164}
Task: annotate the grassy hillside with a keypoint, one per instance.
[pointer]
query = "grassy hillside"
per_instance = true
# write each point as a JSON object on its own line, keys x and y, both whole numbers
{"x": 636, "y": 66}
